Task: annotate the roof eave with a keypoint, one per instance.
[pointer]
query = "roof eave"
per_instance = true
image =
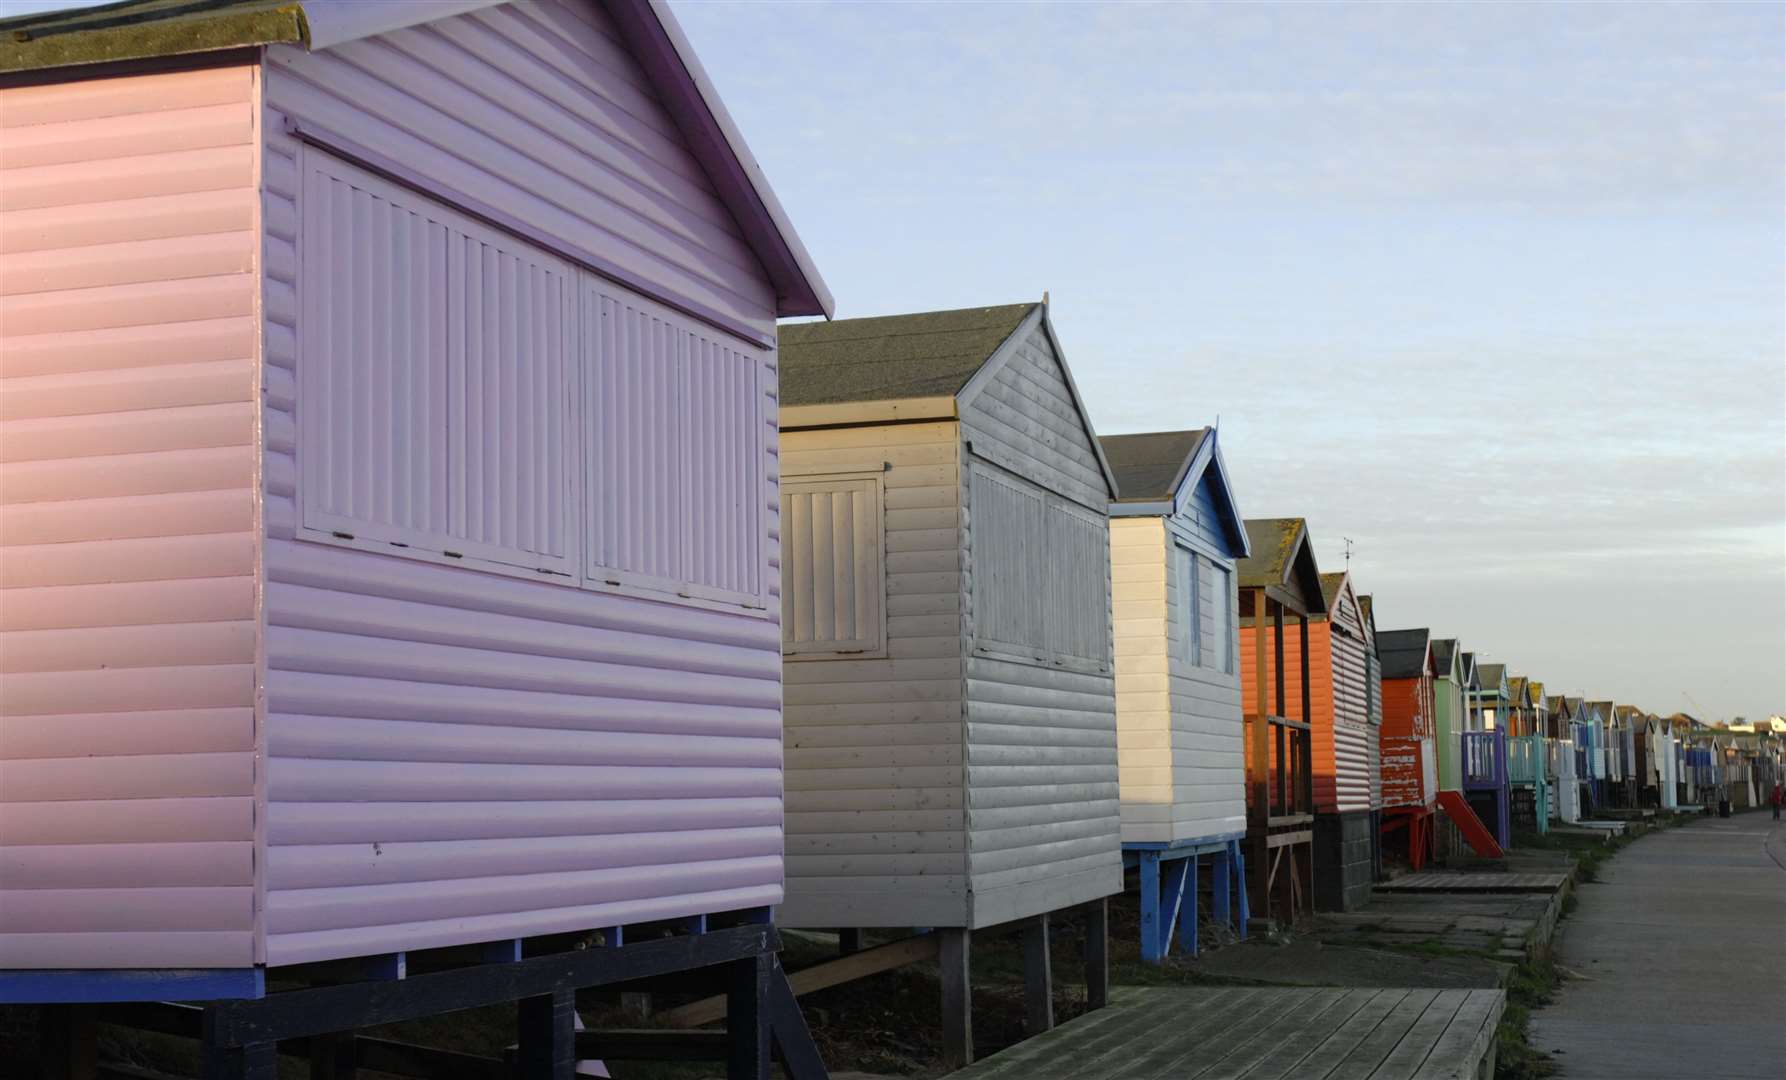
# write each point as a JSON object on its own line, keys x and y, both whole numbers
{"x": 661, "y": 47}
{"x": 851, "y": 413}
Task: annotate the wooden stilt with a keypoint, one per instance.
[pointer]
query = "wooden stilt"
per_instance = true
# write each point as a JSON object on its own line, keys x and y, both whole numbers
{"x": 849, "y": 940}
{"x": 958, "y": 1010}
{"x": 1187, "y": 911}
{"x": 747, "y": 1017}
{"x": 1038, "y": 978}
{"x": 332, "y": 1056}
{"x": 69, "y": 1042}
{"x": 1097, "y": 954}
{"x": 547, "y": 1030}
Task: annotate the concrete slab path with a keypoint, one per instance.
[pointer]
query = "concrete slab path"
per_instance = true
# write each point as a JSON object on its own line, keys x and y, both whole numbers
{"x": 1682, "y": 947}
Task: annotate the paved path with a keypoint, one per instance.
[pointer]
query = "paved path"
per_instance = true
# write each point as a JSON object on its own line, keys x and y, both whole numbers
{"x": 1682, "y": 943}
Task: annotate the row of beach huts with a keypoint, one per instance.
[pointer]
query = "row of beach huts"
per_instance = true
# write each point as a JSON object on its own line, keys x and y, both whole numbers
{"x": 425, "y": 551}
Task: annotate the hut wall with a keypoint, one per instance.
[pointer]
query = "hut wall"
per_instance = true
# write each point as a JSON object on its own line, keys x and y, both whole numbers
{"x": 1340, "y": 732}
{"x": 876, "y": 795}
{"x": 1448, "y": 727}
{"x": 1373, "y": 746}
{"x": 1409, "y": 769}
{"x": 129, "y": 367}
{"x": 554, "y": 739}
{"x": 1179, "y": 716}
{"x": 1044, "y": 820}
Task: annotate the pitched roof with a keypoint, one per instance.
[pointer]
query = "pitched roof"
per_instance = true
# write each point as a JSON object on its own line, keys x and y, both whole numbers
{"x": 1492, "y": 675}
{"x": 926, "y": 354}
{"x": 1283, "y": 560}
{"x": 1150, "y": 467}
{"x": 1403, "y": 652}
{"x": 1444, "y": 650}
{"x": 1330, "y": 587}
{"x": 146, "y": 29}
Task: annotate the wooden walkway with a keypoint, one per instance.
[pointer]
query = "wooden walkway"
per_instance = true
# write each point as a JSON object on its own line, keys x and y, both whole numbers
{"x": 1263, "y": 1033}
{"x": 1484, "y": 882}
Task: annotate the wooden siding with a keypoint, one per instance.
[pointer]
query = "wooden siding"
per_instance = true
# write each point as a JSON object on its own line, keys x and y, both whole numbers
{"x": 876, "y": 803}
{"x": 1339, "y": 731}
{"x": 1450, "y": 720}
{"x": 540, "y": 113}
{"x": 1410, "y": 773}
{"x": 128, "y": 374}
{"x": 1179, "y": 716}
{"x": 1043, "y": 799}
{"x": 1373, "y": 746}
{"x": 456, "y": 755}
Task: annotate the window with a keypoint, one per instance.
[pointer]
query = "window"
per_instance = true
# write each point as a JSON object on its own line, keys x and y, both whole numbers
{"x": 1190, "y": 606}
{"x": 833, "y": 579}
{"x": 1222, "y": 638}
{"x": 1041, "y": 573}
{"x": 464, "y": 395}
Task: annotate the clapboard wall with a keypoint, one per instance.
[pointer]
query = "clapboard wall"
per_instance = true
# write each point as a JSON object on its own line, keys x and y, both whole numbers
{"x": 1044, "y": 820}
{"x": 876, "y": 801}
{"x": 458, "y": 755}
{"x": 1179, "y": 717}
{"x": 128, "y": 375}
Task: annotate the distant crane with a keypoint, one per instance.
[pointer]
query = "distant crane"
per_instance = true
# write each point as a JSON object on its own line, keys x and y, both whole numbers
{"x": 1699, "y": 710}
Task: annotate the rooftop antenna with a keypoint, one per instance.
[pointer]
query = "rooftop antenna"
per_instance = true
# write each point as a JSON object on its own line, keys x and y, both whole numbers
{"x": 1348, "y": 541}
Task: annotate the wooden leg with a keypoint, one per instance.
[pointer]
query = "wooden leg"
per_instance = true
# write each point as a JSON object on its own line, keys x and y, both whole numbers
{"x": 849, "y": 940}
{"x": 958, "y": 1000}
{"x": 256, "y": 1061}
{"x": 1150, "y": 906}
{"x": 1221, "y": 904}
{"x": 747, "y": 1017}
{"x": 1038, "y": 978}
{"x": 787, "y": 1026}
{"x": 332, "y": 1056}
{"x": 1097, "y": 953}
{"x": 69, "y": 1038}
{"x": 1187, "y": 911}
{"x": 547, "y": 1027}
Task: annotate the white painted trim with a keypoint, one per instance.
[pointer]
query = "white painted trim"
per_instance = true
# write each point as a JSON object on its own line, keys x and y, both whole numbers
{"x": 334, "y": 22}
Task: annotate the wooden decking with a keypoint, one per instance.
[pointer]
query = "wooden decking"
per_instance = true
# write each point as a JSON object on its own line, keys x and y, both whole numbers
{"x": 1440, "y": 881}
{"x": 1263, "y": 1033}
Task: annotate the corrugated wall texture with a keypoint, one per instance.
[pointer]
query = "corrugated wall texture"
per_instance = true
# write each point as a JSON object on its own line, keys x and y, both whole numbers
{"x": 876, "y": 807}
{"x": 1044, "y": 818}
{"x": 538, "y": 111}
{"x": 1373, "y": 747}
{"x": 458, "y": 755}
{"x": 127, "y": 427}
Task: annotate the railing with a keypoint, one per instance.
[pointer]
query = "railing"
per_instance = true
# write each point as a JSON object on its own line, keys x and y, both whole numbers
{"x": 1290, "y": 782}
{"x": 1484, "y": 759}
{"x": 1527, "y": 760}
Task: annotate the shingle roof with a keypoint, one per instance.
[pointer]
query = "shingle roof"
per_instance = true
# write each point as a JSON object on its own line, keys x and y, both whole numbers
{"x": 1403, "y": 652}
{"x": 1443, "y": 650}
{"x": 1273, "y": 541}
{"x": 1330, "y": 588}
{"x": 1149, "y": 467}
{"x": 1491, "y": 674}
{"x": 927, "y": 354}
{"x": 136, "y": 29}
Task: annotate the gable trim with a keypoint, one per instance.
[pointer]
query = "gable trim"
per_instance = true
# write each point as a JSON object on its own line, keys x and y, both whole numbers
{"x": 1210, "y": 454}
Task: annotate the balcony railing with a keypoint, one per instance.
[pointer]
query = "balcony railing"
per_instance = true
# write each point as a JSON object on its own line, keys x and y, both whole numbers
{"x": 1528, "y": 759}
{"x": 1485, "y": 759}
{"x": 1290, "y": 785}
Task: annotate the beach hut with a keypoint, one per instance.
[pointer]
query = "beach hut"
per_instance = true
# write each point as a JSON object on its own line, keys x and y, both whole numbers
{"x": 1175, "y": 536}
{"x": 1373, "y": 747}
{"x": 1666, "y": 749}
{"x": 1451, "y": 707}
{"x": 1613, "y": 730}
{"x": 1530, "y": 768}
{"x": 1340, "y": 730}
{"x": 1569, "y": 754}
{"x": 1485, "y": 750}
{"x": 1278, "y": 578}
{"x": 390, "y": 525}
{"x": 1410, "y": 768}
{"x": 951, "y": 746}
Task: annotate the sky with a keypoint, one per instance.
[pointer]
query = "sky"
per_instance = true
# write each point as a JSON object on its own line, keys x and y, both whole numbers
{"x": 1498, "y": 292}
{"x": 1495, "y": 291}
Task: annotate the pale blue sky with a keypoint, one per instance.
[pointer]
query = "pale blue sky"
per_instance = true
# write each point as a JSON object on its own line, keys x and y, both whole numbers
{"x": 1496, "y": 290}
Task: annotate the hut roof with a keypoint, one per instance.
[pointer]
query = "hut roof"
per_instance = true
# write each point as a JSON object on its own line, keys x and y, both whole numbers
{"x": 1404, "y": 652}
{"x": 1492, "y": 675}
{"x": 1444, "y": 652}
{"x": 1282, "y": 562}
{"x": 1151, "y": 467}
{"x": 886, "y": 357}
{"x": 146, "y": 29}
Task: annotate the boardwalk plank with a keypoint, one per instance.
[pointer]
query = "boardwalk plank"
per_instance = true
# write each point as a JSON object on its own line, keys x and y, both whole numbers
{"x": 1466, "y": 1041}
{"x": 1321, "y": 1060}
{"x": 1417, "y": 1044}
{"x": 1364, "y": 1058}
{"x": 1068, "y": 1051}
{"x": 1256, "y": 1049}
{"x": 1290, "y": 1051}
{"x": 1193, "y": 1059}
{"x": 1221, "y": 1010}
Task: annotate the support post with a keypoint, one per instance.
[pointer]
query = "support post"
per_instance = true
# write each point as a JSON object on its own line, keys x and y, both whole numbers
{"x": 1038, "y": 977}
{"x": 958, "y": 1004}
{"x": 849, "y": 940}
{"x": 1259, "y": 808}
{"x": 547, "y": 1030}
{"x": 1151, "y": 917}
{"x": 252, "y": 1061}
{"x": 1187, "y": 910}
{"x": 332, "y": 1056}
{"x": 747, "y": 1017}
{"x": 69, "y": 1042}
{"x": 1097, "y": 953}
